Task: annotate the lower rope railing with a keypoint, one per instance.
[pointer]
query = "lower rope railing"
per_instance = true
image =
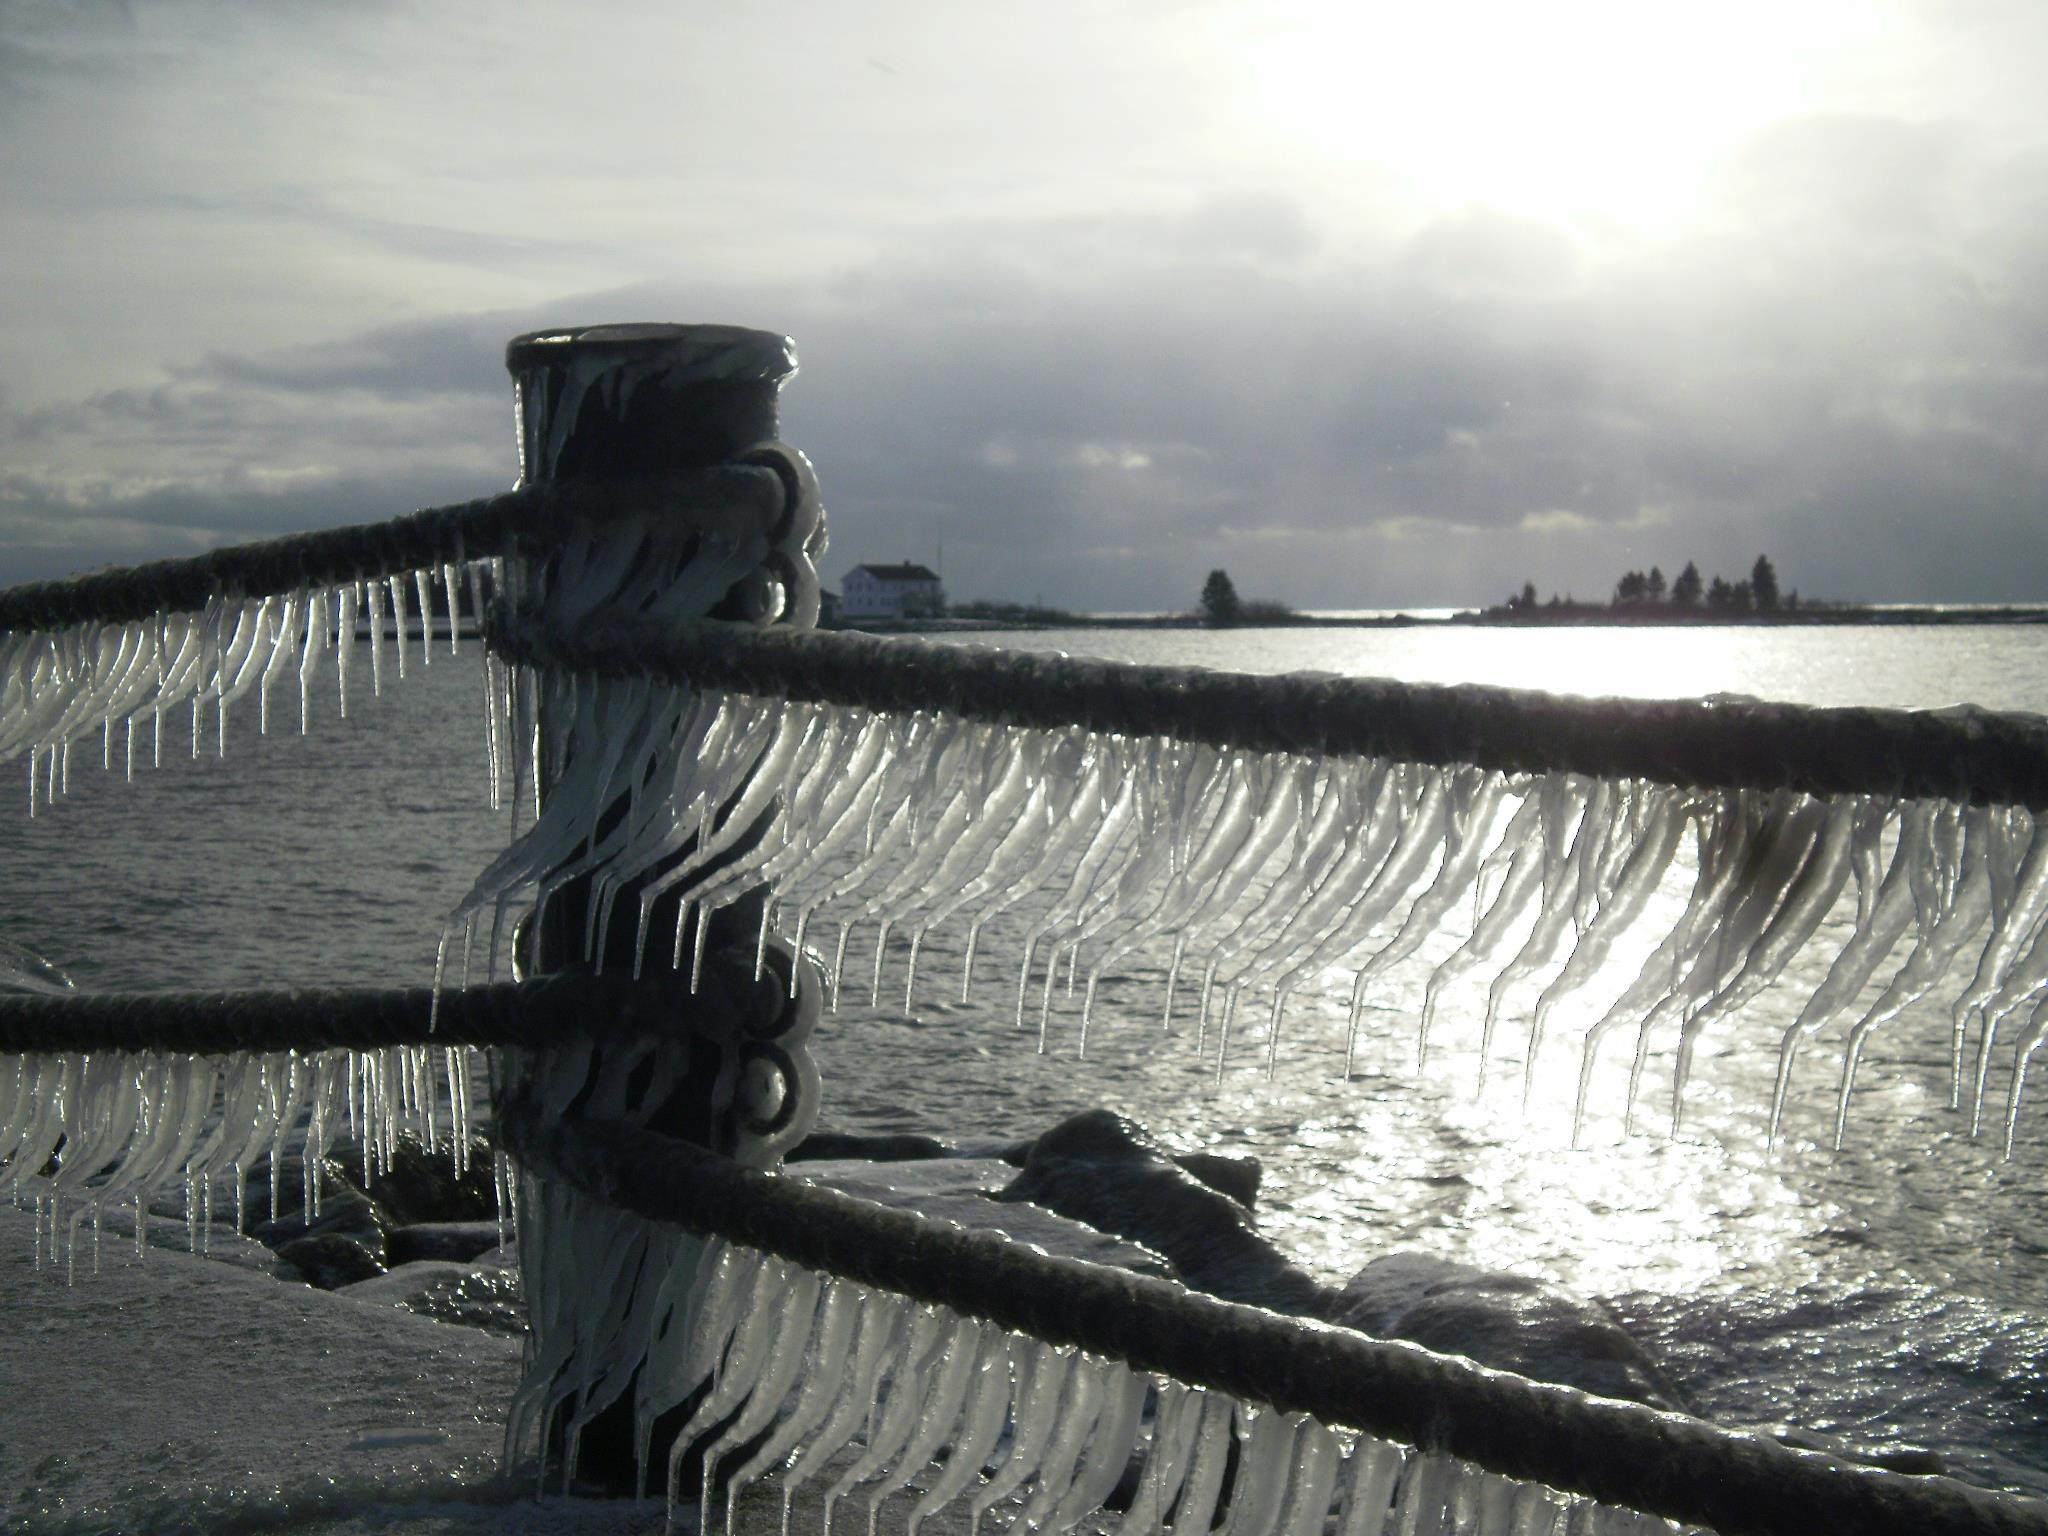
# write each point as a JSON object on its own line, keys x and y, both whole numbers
{"x": 107, "y": 1099}
{"x": 532, "y": 1013}
{"x": 1427, "y": 1427}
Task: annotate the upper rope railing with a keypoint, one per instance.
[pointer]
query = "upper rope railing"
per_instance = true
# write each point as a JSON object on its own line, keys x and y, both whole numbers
{"x": 1964, "y": 754}
{"x": 532, "y": 518}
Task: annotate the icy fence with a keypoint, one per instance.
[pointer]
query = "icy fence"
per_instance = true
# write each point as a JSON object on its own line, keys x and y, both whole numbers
{"x": 1644, "y": 871}
{"x": 971, "y": 1368}
{"x": 1250, "y": 833}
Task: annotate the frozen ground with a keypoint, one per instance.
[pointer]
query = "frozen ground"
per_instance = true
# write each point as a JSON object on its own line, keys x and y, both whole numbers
{"x": 203, "y": 1395}
{"x": 191, "y": 1393}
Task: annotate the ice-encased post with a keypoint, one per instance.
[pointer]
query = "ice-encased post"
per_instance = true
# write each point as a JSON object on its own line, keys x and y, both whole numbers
{"x": 625, "y": 405}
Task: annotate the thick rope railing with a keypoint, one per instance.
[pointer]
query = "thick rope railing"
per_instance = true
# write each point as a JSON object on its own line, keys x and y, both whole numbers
{"x": 1965, "y": 754}
{"x": 1618, "y": 1453}
{"x": 534, "y": 517}
{"x": 530, "y": 1014}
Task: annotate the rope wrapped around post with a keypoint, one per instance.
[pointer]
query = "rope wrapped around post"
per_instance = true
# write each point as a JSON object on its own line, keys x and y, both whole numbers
{"x": 537, "y": 516}
{"x": 1619, "y": 1453}
{"x": 1964, "y": 754}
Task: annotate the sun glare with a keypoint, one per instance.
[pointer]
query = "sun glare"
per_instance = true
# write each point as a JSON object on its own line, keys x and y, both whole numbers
{"x": 1599, "y": 110}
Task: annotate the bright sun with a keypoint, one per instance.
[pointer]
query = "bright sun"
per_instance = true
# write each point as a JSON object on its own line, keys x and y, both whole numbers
{"x": 1608, "y": 110}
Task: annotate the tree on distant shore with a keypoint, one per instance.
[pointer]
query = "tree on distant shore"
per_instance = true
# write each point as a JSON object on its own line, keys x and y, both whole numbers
{"x": 1639, "y": 591}
{"x": 1763, "y": 584}
{"x": 1220, "y": 606}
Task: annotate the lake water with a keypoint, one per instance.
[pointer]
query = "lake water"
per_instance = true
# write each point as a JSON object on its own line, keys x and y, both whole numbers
{"x": 1896, "y": 1293}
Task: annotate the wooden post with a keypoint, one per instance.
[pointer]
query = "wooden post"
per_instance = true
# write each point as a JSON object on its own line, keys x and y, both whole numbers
{"x": 634, "y": 402}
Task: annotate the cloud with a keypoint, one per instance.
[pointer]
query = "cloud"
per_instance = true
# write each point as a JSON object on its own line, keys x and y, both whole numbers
{"x": 1099, "y": 409}
{"x": 455, "y": 355}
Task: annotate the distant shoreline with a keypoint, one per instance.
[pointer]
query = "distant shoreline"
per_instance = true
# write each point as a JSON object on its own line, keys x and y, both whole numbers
{"x": 1572, "y": 616}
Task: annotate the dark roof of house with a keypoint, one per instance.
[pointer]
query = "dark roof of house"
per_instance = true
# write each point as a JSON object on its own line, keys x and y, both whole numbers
{"x": 909, "y": 572}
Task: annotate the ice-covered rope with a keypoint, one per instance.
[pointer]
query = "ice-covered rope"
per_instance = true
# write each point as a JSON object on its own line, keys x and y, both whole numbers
{"x": 513, "y": 1013}
{"x": 1965, "y": 754}
{"x": 529, "y": 518}
{"x": 828, "y": 1323}
{"x": 906, "y": 786}
{"x": 107, "y": 1099}
{"x": 119, "y": 653}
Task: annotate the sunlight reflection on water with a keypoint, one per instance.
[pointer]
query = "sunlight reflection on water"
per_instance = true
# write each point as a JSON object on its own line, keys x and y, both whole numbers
{"x": 1998, "y": 667}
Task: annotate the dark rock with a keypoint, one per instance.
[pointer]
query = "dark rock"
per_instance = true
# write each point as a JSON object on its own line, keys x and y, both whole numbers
{"x": 420, "y": 1185}
{"x": 347, "y": 1213}
{"x": 960, "y": 1190}
{"x": 838, "y": 1146}
{"x": 455, "y": 1242}
{"x": 1509, "y": 1322}
{"x": 1237, "y": 1177}
{"x": 1106, "y": 1171}
{"x": 336, "y": 1183}
{"x": 330, "y": 1260}
{"x": 1109, "y": 1175}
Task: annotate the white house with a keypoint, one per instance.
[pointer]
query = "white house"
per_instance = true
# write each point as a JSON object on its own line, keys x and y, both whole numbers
{"x": 889, "y": 591}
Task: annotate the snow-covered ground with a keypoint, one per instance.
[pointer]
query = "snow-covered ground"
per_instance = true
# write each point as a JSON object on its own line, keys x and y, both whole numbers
{"x": 186, "y": 1394}
{"x": 202, "y": 1394}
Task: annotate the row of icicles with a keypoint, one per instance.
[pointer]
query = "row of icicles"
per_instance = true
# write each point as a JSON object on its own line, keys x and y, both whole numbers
{"x": 859, "y": 1397}
{"x": 60, "y": 685}
{"x": 109, "y": 1130}
{"x": 1633, "y": 908}
{"x": 57, "y": 686}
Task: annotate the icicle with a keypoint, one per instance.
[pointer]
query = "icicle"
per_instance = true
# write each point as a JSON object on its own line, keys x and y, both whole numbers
{"x": 1884, "y": 911}
{"x": 1194, "y": 1513}
{"x": 1490, "y": 926}
{"x": 824, "y": 1383}
{"x": 787, "y": 1352}
{"x": 936, "y": 1408}
{"x": 2023, "y": 911}
{"x": 1474, "y": 799}
{"x": 984, "y": 1418}
{"x": 344, "y": 640}
{"x": 423, "y": 584}
{"x": 374, "y": 593}
{"x": 399, "y": 621}
{"x": 309, "y": 658}
{"x": 1792, "y": 887}
{"x": 881, "y": 1323}
{"x": 1039, "y": 1392}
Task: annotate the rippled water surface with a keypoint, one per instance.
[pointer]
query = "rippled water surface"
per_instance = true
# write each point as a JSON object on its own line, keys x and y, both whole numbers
{"x": 1897, "y": 1292}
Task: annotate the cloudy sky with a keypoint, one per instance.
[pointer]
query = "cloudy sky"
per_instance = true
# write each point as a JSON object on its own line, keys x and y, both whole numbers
{"x": 1371, "y": 304}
